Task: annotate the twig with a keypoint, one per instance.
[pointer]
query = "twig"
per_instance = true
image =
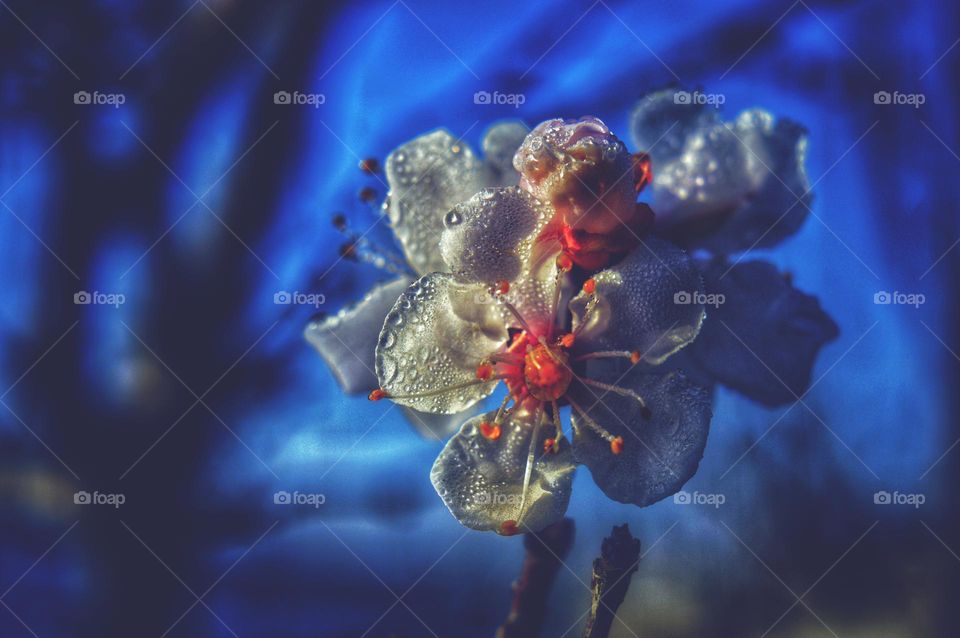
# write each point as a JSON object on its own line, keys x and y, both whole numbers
{"x": 612, "y": 572}
{"x": 545, "y": 551}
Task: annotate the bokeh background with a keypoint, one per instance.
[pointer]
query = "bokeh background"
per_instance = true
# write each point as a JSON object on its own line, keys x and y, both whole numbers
{"x": 197, "y": 399}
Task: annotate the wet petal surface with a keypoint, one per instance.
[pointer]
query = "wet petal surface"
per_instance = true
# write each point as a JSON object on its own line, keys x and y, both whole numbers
{"x": 427, "y": 177}
{"x": 481, "y": 480}
{"x": 650, "y": 302}
{"x": 724, "y": 187}
{"x": 431, "y": 343}
{"x": 764, "y": 339}
{"x": 660, "y": 451}
{"x": 347, "y": 341}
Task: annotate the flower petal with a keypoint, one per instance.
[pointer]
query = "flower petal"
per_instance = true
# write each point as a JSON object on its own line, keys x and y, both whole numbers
{"x": 427, "y": 177}
{"x": 497, "y": 236}
{"x": 481, "y": 480}
{"x": 763, "y": 340}
{"x": 650, "y": 302}
{"x": 724, "y": 187}
{"x": 347, "y": 340}
{"x": 499, "y": 146}
{"x": 489, "y": 237}
{"x": 660, "y": 453}
{"x": 431, "y": 343}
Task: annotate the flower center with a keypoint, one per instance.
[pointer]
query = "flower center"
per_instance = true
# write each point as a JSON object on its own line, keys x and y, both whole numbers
{"x": 546, "y": 372}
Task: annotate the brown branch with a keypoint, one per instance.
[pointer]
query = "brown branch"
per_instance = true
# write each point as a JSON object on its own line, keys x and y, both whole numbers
{"x": 545, "y": 551}
{"x": 612, "y": 572}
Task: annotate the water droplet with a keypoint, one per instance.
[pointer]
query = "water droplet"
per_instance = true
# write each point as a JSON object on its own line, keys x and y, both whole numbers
{"x": 453, "y": 218}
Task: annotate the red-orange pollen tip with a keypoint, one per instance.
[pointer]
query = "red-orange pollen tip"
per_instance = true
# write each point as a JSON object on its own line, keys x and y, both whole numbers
{"x": 509, "y": 528}
{"x": 567, "y": 340}
{"x": 589, "y": 286}
{"x": 490, "y": 431}
{"x": 616, "y": 445}
{"x": 502, "y": 287}
{"x": 376, "y": 395}
{"x": 549, "y": 445}
{"x": 635, "y": 357}
{"x": 564, "y": 263}
{"x": 484, "y": 371}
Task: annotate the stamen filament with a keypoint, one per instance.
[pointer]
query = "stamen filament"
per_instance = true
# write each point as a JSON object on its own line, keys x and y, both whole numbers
{"x": 596, "y": 427}
{"x": 607, "y": 354}
{"x": 516, "y": 313}
{"x": 531, "y": 458}
{"x": 618, "y": 390}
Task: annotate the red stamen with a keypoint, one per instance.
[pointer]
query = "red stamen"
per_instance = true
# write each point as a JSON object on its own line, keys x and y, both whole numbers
{"x": 616, "y": 445}
{"x": 549, "y": 445}
{"x": 484, "y": 371}
{"x": 501, "y": 287}
{"x": 376, "y": 395}
{"x": 589, "y": 286}
{"x": 642, "y": 171}
{"x": 564, "y": 263}
{"x": 635, "y": 357}
{"x": 567, "y": 340}
{"x": 490, "y": 431}
{"x": 509, "y": 528}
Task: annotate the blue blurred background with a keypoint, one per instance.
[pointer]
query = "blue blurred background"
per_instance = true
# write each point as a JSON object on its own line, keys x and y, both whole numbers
{"x": 197, "y": 399}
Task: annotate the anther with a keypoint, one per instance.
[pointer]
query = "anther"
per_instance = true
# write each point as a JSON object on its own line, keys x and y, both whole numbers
{"x": 340, "y": 222}
{"x": 490, "y": 431}
{"x": 367, "y": 194}
{"x": 502, "y": 287}
{"x": 567, "y": 340}
{"x": 564, "y": 263}
{"x": 376, "y": 395}
{"x": 616, "y": 445}
{"x": 509, "y": 528}
{"x": 589, "y": 286}
{"x": 549, "y": 445}
{"x": 484, "y": 371}
{"x": 635, "y": 357}
{"x": 370, "y": 165}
